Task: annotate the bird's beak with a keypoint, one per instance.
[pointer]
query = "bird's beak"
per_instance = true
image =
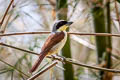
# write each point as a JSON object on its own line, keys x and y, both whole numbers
{"x": 69, "y": 23}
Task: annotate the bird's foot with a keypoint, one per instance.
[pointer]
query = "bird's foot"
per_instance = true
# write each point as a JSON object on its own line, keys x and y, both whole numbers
{"x": 61, "y": 58}
{"x": 52, "y": 57}
{"x": 58, "y": 57}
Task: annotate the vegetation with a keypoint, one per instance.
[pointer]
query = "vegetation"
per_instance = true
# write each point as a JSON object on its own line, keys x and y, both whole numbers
{"x": 90, "y": 53}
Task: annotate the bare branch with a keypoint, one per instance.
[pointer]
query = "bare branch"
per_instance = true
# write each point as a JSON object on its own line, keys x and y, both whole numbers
{"x": 4, "y": 28}
{"x": 3, "y": 44}
{"x": 94, "y": 34}
{"x": 6, "y": 12}
{"x": 71, "y": 33}
{"x": 71, "y": 61}
{"x": 66, "y": 60}
{"x": 14, "y": 68}
{"x": 24, "y": 33}
{"x": 42, "y": 71}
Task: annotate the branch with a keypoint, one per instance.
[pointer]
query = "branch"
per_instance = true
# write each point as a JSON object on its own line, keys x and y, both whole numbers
{"x": 42, "y": 71}
{"x": 71, "y": 61}
{"x": 71, "y": 33}
{"x": 66, "y": 60}
{"x": 14, "y": 68}
{"x": 6, "y": 12}
{"x": 94, "y": 34}
{"x": 24, "y": 33}
{"x": 3, "y": 44}
{"x": 5, "y": 26}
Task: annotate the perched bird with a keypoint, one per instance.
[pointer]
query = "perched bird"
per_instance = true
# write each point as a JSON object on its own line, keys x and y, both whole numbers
{"x": 54, "y": 43}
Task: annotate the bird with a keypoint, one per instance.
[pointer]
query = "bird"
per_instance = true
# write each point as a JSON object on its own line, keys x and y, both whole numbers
{"x": 54, "y": 43}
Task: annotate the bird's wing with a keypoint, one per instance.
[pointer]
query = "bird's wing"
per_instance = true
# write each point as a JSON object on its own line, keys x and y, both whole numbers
{"x": 52, "y": 40}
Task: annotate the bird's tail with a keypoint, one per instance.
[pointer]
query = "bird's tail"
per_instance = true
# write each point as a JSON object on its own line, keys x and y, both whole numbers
{"x": 37, "y": 63}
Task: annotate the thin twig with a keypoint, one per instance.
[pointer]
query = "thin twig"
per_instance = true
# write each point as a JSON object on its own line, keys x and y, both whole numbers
{"x": 66, "y": 60}
{"x": 14, "y": 68}
{"x": 3, "y": 44}
{"x": 6, "y": 12}
{"x": 95, "y": 34}
{"x": 4, "y": 28}
{"x": 71, "y": 61}
{"x": 42, "y": 71}
{"x": 31, "y": 52}
{"x": 74, "y": 8}
{"x": 9, "y": 17}
{"x": 71, "y": 33}
{"x": 24, "y": 33}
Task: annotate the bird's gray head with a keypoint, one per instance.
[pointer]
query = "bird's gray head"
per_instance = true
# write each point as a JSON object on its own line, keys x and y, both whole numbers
{"x": 61, "y": 25}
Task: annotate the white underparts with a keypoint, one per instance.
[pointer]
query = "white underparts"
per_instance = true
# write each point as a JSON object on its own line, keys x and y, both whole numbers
{"x": 58, "y": 46}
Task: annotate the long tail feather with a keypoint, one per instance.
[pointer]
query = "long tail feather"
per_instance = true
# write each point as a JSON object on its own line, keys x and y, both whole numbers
{"x": 37, "y": 63}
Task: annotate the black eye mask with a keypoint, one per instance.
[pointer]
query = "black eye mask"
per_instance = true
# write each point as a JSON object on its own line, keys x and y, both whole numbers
{"x": 58, "y": 25}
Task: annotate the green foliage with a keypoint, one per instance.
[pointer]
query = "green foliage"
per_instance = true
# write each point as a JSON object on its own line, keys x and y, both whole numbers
{"x": 99, "y": 26}
{"x": 62, "y": 15}
{"x": 61, "y": 4}
{"x": 68, "y": 73}
{"x": 118, "y": 1}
